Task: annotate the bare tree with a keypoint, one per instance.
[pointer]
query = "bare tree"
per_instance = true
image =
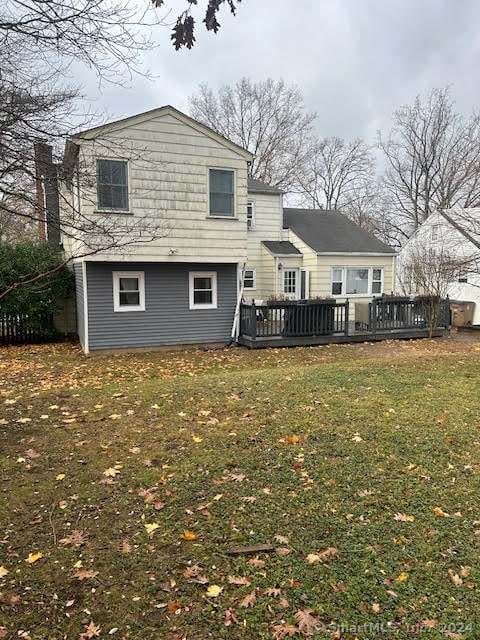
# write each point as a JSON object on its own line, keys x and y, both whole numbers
{"x": 433, "y": 159}
{"x": 268, "y": 118}
{"x": 336, "y": 173}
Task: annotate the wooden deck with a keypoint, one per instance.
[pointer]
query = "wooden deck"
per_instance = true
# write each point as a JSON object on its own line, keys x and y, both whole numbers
{"x": 316, "y": 322}
{"x": 265, "y": 342}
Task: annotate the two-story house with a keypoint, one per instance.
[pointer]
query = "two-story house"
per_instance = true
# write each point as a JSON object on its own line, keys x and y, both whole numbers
{"x": 174, "y": 224}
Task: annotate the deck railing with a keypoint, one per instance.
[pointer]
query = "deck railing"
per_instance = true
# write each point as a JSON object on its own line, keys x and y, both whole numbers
{"x": 311, "y": 318}
{"x": 294, "y": 318}
{"x": 395, "y": 313}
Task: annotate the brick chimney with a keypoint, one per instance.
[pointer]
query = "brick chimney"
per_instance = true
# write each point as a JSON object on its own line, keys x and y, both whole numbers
{"x": 46, "y": 183}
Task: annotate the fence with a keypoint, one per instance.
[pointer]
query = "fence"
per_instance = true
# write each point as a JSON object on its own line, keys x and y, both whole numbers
{"x": 26, "y": 329}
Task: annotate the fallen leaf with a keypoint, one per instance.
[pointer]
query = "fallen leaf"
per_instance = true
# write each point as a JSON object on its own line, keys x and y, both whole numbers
{"x": 92, "y": 631}
{"x": 306, "y": 622}
{"x": 283, "y": 551}
{"x": 3, "y": 572}
{"x": 292, "y": 439}
{"x": 188, "y": 535}
{"x": 214, "y": 590}
{"x": 281, "y": 539}
{"x": 455, "y": 578}
{"x": 376, "y": 608}
{"x": 257, "y": 562}
{"x": 402, "y": 517}
{"x": 197, "y": 439}
{"x": 150, "y": 527}
{"x": 76, "y": 538}
{"x": 85, "y": 574}
{"x": 173, "y": 606}
{"x": 402, "y": 577}
{"x": 239, "y": 580}
{"x": 282, "y": 631}
{"x": 33, "y": 557}
{"x": 248, "y": 600}
{"x": 439, "y": 512}
{"x": 111, "y": 472}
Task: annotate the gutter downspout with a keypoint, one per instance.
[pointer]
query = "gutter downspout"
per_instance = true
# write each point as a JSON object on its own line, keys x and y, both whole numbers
{"x": 236, "y": 318}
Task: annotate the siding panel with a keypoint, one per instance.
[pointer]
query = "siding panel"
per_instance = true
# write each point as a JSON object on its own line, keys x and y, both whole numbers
{"x": 167, "y": 318}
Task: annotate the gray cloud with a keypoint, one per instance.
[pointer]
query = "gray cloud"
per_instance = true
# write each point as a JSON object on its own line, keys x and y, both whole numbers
{"x": 355, "y": 61}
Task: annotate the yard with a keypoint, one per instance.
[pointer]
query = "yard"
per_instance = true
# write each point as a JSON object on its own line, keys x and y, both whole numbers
{"x": 130, "y": 482}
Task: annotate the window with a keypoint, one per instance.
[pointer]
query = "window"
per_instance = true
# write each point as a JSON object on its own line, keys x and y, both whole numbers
{"x": 221, "y": 193}
{"x": 357, "y": 281}
{"x": 337, "y": 282}
{"x": 249, "y": 279}
{"x": 250, "y": 215}
{"x": 112, "y": 185}
{"x": 128, "y": 291}
{"x": 436, "y": 232}
{"x": 203, "y": 290}
{"x": 290, "y": 281}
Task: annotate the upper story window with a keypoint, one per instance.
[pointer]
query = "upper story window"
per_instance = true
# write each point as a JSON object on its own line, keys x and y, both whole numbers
{"x": 249, "y": 279}
{"x": 221, "y": 188}
{"x": 357, "y": 281}
{"x": 128, "y": 291}
{"x": 250, "y": 215}
{"x": 112, "y": 185}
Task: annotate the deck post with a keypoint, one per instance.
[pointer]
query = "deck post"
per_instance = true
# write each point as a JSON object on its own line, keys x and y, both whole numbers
{"x": 253, "y": 321}
{"x": 347, "y": 316}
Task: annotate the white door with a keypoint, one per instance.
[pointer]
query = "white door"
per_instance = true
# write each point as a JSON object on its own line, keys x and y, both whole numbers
{"x": 291, "y": 283}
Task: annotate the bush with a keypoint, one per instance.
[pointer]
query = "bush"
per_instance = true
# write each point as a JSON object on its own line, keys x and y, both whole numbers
{"x": 21, "y": 262}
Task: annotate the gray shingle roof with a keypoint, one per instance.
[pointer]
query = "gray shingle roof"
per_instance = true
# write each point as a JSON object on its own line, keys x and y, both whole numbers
{"x": 332, "y": 232}
{"x": 281, "y": 248}
{"x": 255, "y": 186}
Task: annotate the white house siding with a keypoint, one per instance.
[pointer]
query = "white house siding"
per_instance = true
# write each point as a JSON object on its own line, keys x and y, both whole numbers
{"x": 167, "y": 318}
{"x": 168, "y": 163}
{"x": 268, "y": 226}
{"x": 437, "y": 233}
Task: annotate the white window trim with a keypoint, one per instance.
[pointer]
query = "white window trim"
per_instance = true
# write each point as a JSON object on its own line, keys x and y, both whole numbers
{"x": 116, "y": 290}
{"x": 202, "y": 274}
{"x": 252, "y": 225}
{"x": 368, "y": 293}
{"x": 219, "y": 215}
{"x": 99, "y": 209}
{"x": 254, "y": 278}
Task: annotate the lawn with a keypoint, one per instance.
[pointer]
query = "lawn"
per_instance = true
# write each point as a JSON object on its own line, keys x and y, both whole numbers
{"x": 135, "y": 486}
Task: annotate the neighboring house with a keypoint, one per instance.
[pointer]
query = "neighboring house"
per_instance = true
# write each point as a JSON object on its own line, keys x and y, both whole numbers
{"x": 183, "y": 287}
{"x": 454, "y": 233}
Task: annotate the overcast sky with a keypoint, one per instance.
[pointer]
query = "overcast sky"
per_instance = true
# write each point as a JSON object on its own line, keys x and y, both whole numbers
{"x": 354, "y": 61}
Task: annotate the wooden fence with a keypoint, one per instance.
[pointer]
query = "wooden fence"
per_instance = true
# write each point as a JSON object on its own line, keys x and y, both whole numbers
{"x": 26, "y": 329}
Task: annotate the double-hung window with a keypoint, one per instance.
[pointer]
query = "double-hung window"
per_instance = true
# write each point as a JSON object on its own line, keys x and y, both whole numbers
{"x": 222, "y": 193}
{"x": 250, "y": 215}
{"x": 128, "y": 291}
{"x": 203, "y": 290}
{"x": 348, "y": 281}
{"x": 249, "y": 279}
{"x": 112, "y": 185}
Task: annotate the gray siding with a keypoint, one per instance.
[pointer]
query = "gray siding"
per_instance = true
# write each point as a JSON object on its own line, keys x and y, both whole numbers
{"x": 77, "y": 268}
{"x": 167, "y": 318}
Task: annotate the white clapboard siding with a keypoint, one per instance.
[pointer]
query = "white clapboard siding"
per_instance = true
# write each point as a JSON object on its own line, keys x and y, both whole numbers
{"x": 168, "y": 163}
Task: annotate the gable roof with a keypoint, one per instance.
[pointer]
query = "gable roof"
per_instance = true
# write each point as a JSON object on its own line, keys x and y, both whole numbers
{"x": 90, "y": 134}
{"x": 332, "y": 232}
{"x": 255, "y": 186}
{"x": 281, "y": 248}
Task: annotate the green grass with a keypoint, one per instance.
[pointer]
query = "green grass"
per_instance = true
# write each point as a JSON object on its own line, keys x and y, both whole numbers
{"x": 326, "y": 447}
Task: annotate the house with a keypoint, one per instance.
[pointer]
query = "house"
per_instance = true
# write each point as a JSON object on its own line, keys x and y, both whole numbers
{"x": 452, "y": 237}
{"x": 162, "y": 221}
